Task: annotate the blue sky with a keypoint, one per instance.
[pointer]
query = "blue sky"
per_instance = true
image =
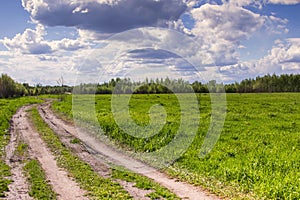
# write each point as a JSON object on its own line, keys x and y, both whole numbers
{"x": 40, "y": 41}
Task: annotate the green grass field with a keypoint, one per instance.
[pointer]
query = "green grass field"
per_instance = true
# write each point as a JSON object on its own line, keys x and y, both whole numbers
{"x": 257, "y": 155}
{"x": 8, "y": 108}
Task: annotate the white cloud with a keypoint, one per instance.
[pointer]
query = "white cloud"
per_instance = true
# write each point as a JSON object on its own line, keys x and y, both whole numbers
{"x": 34, "y": 69}
{"x": 284, "y": 57}
{"x": 261, "y": 3}
{"x": 256, "y": 3}
{"x": 217, "y": 33}
{"x": 68, "y": 44}
{"x": 275, "y": 25}
{"x": 33, "y": 42}
{"x": 231, "y": 23}
{"x": 288, "y": 52}
{"x": 286, "y": 2}
{"x": 30, "y": 42}
{"x": 223, "y": 27}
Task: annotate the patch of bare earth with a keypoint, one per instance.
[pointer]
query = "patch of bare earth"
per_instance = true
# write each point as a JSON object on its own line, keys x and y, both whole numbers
{"x": 106, "y": 153}
{"x": 62, "y": 184}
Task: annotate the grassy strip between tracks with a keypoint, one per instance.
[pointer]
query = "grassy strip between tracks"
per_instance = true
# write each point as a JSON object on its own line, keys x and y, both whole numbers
{"x": 39, "y": 188}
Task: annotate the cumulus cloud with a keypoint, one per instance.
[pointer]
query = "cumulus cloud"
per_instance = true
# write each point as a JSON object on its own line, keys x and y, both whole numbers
{"x": 231, "y": 23}
{"x": 105, "y": 16}
{"x": 286, "y": 52}
{"x": 33, "y": 42}
{"x": 285, "y": 2}
{"x": 222, "y": 27}
{"x": 256, "y": 3}
{"x": 217, "y": 29}
{"x": 68, "y": 44}
{"x": 260, "y": 3}
{"x": 284, "y": 57}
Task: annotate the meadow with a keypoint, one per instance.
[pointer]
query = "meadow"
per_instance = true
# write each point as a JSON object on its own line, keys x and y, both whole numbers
{"x": 257, "y": 155}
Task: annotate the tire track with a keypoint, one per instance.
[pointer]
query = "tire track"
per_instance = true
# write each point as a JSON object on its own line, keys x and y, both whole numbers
{"x": 18, "y": 189}
{"x": 65, "y": 187}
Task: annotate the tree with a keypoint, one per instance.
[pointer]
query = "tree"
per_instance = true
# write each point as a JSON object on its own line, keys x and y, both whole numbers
{"x": 7, "y": 86}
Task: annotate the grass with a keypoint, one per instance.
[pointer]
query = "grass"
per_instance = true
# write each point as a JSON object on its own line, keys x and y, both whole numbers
{"x": 39, "y": 187}
{"x": 99, "y": 188}
{"x": 4, "y": 172}
{"x": 21, "y": 149}
{"x": 8, "y": 109}
{"x": 145, "y": 183}
{"x": 84, "y": 174}
{"x": 257, "y": 155}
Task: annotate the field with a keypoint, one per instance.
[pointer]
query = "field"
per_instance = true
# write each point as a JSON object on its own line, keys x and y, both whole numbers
{"x": 257, "y": 155}
{"x": 8, "y": 109}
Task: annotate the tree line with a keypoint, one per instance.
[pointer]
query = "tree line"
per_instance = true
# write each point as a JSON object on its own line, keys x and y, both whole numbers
{"x": 10, "y": 88}
{"x": 268, "y": 83}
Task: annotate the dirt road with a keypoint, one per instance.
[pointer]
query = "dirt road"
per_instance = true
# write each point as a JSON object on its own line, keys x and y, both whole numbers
{"x": 181, "y": 189}
{"x": 63, "y": 186}
{"x": 18, "y": 189}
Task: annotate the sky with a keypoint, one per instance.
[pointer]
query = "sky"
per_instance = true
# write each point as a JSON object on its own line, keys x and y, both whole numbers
{"x": 96, "y": 40}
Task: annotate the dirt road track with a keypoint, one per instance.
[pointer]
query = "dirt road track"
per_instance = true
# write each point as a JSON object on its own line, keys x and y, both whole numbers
{"x": 65, "y": 187}
{"x": 181, "y": 189}
{"x": 18, "y": 189}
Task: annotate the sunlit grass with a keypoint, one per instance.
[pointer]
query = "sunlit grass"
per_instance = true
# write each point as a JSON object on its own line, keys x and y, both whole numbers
{"x": 257, "y": 155}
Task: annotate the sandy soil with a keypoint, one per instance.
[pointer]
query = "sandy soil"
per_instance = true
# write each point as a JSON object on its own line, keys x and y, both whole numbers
{"x": 112, "y": 155}
{"x": 64, "y": 186}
